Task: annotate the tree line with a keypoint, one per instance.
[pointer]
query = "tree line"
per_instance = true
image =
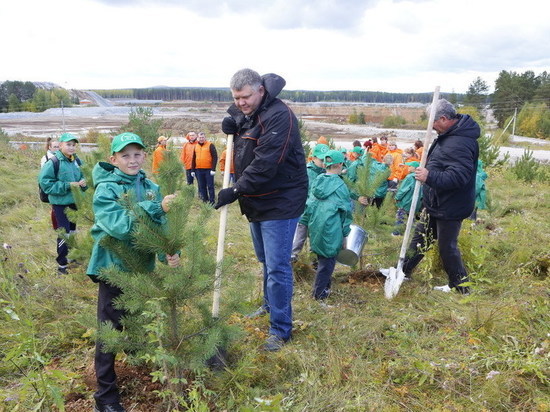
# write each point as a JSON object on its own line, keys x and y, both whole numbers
{"x": 300, "y": 96}
{"x": 523, "y": 95}
{"x": 17, "y": 96}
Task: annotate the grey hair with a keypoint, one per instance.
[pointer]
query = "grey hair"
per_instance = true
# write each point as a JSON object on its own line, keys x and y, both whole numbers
{"x": 443, "y": 108}
{"x": 245, "y": 77}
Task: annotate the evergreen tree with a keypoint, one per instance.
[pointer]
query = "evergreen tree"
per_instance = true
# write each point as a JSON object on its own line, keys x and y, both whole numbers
{"x": 477, "y": 93}
{"x": 168, "y": 324}
{"x": 141, "y": 122}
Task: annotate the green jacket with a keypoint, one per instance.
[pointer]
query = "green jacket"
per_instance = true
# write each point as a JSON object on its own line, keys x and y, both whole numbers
{"x": 312, "y": 172}
{"x": 328, "y": 215}
{"x": 404, "y": 194}
{"x": 378, "y": 168}
{"x": 58, "y": 188}
{"x": 481, "y": 190}
{"x": 113, "y": 219}
{"x": 352, "y": 169}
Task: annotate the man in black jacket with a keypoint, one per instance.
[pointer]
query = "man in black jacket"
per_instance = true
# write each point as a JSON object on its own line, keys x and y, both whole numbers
{"x": 271, "y": 185}
{"x": 449, "y": 193}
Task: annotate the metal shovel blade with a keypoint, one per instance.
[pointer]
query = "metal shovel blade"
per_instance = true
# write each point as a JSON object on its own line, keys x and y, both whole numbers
{"x": 393, "y": 283}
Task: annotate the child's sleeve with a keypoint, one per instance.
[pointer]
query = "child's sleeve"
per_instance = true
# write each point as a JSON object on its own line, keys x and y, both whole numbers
{"x": 111, "y": 216}
{"x": 51, "y": 184}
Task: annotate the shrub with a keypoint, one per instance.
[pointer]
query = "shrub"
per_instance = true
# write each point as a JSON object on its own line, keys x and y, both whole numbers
{"x": 394, "y": 121}
{"x": 526, "y": 167}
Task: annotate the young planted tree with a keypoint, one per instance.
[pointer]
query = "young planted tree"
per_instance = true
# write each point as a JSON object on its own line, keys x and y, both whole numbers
{"x": 141, "y": 122}
{"x": 168, "y": 323}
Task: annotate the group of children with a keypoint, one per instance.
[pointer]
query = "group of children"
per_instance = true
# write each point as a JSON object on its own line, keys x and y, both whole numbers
{"x": 328, "y": 213}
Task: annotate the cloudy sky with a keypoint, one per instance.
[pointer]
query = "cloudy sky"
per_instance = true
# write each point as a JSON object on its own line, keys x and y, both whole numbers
{"x": 377, "y": 45}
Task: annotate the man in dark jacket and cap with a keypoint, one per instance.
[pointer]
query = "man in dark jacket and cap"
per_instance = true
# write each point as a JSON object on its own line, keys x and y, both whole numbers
{"x": 449, "y": 193}
{"x": 271, "y": 186}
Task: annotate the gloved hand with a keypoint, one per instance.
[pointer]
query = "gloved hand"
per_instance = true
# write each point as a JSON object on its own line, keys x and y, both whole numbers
{"x": 212, "y": 173}
{"x": 192, "y": 174}
{"x": 229, "y": 125}
{"x": 226, "y": 196}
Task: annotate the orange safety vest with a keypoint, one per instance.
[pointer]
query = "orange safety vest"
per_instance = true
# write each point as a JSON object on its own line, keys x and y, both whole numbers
{"x": 397, "y": 160}
{"x": 158, "y": 157}
{"x": 187, "y": 154}
{"x": 378, "y": 151}
{"x": 203, "y": 158}
{"x": 222, "y": 162}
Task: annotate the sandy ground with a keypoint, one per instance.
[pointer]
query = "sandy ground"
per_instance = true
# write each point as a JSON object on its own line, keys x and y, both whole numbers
{"x": 108, "y": 119}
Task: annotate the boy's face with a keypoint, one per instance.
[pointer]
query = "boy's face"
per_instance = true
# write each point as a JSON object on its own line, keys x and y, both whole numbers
{"x": 130, "y": 159}
{"x": 68, "y": 148}
{"x": 318, "y": 162}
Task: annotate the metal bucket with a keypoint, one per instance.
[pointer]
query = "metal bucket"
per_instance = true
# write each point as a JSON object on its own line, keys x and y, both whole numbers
{"x": 354, "y": 246}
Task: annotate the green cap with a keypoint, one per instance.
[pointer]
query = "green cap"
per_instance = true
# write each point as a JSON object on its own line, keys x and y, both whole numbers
{"x": 122, "y": 140}
{"x": 357, "y": 149}
{"x": 319, "y": 150}
{"x": 336, "y": 157}
{"x": 67, "y": 137}
{"x": 413, "y": 164}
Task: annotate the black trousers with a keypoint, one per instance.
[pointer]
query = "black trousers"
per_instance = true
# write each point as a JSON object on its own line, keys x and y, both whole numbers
{"x": 63, "y": 221}
{"x": 107, "y": 390}
{"x": 427, "y": 230}
{"x": 189, "y": 177}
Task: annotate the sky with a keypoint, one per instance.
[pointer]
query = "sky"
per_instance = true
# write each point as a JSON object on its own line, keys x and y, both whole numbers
{"x": 371, "y": 45}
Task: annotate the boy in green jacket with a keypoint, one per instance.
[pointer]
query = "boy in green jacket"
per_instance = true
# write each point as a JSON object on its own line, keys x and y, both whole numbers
{"x": 114, "y": 182}
{"x": 403, "y": 197}
{"x": 328, "y": 218}
{"x": 314, "y": 168}
{"x": 57, "y": 185}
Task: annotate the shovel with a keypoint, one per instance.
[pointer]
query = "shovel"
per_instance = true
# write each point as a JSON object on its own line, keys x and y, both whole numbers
{"x": 395, "y": 276}
{"x": 218, "y": 360}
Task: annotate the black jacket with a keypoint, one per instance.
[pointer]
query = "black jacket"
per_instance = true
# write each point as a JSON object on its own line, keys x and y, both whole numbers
{"x": 449, "y": 192}
{"x": 270, "y": 165}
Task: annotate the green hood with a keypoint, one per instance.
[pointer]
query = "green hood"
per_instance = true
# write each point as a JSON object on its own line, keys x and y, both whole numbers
{"x": 105, "y": 172}
{"x": 326, "y": 185}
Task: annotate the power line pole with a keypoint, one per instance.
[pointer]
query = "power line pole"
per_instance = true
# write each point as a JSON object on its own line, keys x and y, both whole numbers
{"x": 514, "y": 125}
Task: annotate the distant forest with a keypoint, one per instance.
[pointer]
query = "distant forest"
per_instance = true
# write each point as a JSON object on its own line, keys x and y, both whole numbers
{"x": 302, "y": 96}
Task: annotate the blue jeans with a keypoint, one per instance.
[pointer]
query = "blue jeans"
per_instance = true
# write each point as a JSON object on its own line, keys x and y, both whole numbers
{"x": 272, "y": 241}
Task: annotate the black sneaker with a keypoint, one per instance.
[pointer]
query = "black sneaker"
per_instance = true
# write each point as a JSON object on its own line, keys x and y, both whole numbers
{"x": 111, "y": 407}
{"x": 62, "y": 270}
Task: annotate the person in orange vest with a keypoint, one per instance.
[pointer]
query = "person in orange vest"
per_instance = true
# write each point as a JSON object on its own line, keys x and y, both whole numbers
{"x": 378, "y": 150}
{"x": 203, "y": 167}
{"x": 158, "y": 154}
{"x": 187, "y": 155}
{"x": 397, "y": 155}
{"x": 232, "y": 168}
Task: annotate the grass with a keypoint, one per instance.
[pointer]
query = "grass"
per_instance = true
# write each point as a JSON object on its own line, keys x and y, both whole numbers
{"x": 423, "y": 350}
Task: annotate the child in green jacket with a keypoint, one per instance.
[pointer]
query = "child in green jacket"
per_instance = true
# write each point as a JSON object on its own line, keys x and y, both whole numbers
{"x": 403, "y": 197}
{"x": 328, "y": 218}
{"x": 314, "y": 168}
{"x": 116, "y": 181}
{"x": 57, "y": 185}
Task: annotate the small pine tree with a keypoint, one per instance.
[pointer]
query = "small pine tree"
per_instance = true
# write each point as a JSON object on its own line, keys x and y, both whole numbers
{"x": 168, "y": 323}
{"x": 526, "y": 167}
{"x": 368, "y": 181}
